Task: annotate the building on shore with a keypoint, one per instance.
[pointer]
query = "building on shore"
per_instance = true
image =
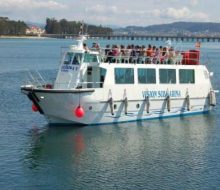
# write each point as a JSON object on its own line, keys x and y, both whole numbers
{"x": 34, "y": 30}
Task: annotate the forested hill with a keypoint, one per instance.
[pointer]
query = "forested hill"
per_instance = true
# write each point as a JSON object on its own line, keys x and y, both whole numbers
{"x": 10, "y": 27}
{"x": 53, "y": 26}
{"x": 192, "y": 27}
{"x": 63, "y": 26}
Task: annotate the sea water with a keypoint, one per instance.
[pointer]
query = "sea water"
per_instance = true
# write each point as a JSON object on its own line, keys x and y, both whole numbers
{"x": 175, "y": 153}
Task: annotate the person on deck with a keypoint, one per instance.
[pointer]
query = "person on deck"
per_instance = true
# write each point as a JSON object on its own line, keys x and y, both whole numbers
{"x": 149, "y": 53}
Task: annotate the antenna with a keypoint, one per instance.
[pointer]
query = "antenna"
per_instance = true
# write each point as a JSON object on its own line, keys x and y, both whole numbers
{"x": 87, "y": 29}
{"x": 81, "y": 28}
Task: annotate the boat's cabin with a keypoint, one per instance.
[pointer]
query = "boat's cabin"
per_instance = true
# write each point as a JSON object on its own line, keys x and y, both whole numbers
{"x": 84, "y": 68}
{"x": 80, "y": 69}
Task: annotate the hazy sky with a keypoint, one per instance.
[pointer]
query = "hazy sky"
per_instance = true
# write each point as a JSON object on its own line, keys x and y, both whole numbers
{"x": 113, "y": 12}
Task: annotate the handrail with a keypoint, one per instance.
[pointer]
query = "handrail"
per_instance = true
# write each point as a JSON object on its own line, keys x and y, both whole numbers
{"x": 35, "y": 78}
{"x": 133, "y": 56}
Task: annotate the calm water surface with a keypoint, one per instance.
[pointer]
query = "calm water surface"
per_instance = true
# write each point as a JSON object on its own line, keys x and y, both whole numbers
{"x": 176, "y": 153}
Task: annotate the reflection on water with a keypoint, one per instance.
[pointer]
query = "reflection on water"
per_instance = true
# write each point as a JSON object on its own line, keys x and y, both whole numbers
{"x": 161, "y": 150}
{"x": 33, "y": 156}
{"x": 79, "y": 143}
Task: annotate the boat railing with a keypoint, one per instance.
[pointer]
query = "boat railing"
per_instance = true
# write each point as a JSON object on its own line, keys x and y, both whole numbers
{"x": 107, "y": 55}
{"x": 34, "y": 78}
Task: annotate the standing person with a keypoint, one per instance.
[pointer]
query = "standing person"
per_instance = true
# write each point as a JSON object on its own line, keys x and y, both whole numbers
{"x": 85, "y": 47}
{"x": 156, "y": 57}
{"x": 127, "y": 55}
{"x": 133, "y": 54}
{"x": 122, "y": 49}
{"x": 115, "y": 52}
{"x": 108, "y": 54}
{"x": 161, "y": 51}
{"x": 149, "y": 53}
{"x": 153, "y": 51}
{"x": 171, "y": 56}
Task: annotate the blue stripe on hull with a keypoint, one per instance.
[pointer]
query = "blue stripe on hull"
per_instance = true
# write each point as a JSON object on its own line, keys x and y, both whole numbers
{"x": 154, "y": 118}
{"x": 134, "y": 120}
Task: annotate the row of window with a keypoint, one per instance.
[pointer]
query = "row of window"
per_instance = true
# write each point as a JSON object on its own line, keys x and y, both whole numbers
{"x": 148, "y": 76}
{"x": 76, "y": 58}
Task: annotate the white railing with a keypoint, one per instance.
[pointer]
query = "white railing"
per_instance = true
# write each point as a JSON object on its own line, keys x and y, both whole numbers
{"x": 191, "y": 57}
{"x": 35, "y": 79}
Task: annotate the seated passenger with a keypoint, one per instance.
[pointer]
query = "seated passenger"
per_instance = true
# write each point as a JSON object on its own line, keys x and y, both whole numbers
{"x": 171, "y": 56}
{"x": 107, "y": 49}
{"x": 149, "y": 51}
{"x": 161, "y": 51}
{"x": 164, "y": 56}
{"x": 178, "y": 57}
{"x": 153, "y": 51}
{"x": 108, "y": 54}
{"x": 141, "y": 58}
{"x": 122, "y": 48}
{"x": 95, "y": 47}
{"x": 127, "y": 54}
{"x": 133, "y": 54}
{"x": 115, "y": 52}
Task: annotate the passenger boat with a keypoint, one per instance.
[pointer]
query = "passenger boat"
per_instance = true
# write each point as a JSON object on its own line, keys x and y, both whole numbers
{"x": 93, "y": 88}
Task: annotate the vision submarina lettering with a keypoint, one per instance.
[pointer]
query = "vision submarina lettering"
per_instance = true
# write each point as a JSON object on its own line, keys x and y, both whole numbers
{"x": 161, "y": 93}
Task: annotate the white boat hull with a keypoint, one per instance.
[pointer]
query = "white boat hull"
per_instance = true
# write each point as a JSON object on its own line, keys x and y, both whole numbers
{"x": 58, "y": 107}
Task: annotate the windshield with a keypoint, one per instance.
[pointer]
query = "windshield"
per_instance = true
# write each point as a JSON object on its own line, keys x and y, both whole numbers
{"x": 73, "y": 58}
{"x": 77, "y": 58}
{"x": 68, "y": 58}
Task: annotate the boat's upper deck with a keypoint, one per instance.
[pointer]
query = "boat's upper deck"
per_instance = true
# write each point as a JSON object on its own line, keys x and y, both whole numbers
{"x": 136, "y": 54}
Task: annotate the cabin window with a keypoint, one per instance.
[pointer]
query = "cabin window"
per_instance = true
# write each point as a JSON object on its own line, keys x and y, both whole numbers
{"x": 77, "y": 58}
{"x": 124, "y": 76}
{"x": 68, "y": 58}
{"x": 167, "y": 76}
{"x": 186, "y": 76}
{"x": 147, "y": 76}
{"x": 90, "y": 58}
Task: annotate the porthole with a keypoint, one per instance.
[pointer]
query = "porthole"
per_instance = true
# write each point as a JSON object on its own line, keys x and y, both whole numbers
{"x": 138, "y": 106}
{"x": 90, "y": 107}
{"x": 115, "y": 106}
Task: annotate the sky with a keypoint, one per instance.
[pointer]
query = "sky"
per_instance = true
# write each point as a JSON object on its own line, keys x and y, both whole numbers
{"x": 113, "y": 12}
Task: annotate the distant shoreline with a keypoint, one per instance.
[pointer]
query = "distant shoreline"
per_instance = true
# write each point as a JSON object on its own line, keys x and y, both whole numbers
{"x": 21, "y": 37}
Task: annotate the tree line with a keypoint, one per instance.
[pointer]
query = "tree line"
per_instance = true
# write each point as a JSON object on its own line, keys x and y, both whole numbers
{"x": 53, "y": 26}
{"x": 63, "y": 26}
{"x": 10, "y": 27}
